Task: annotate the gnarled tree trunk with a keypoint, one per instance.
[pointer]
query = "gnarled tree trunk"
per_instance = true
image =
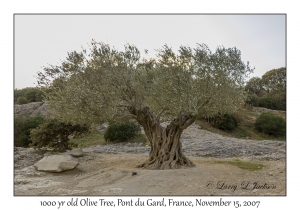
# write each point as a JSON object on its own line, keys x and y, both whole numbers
{"x": 166, "y": 148}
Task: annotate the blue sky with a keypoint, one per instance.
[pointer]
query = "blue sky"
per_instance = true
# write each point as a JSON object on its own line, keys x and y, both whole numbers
{"x": 45, "y": 39}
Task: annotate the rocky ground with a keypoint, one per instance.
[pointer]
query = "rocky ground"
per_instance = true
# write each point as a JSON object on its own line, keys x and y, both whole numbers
{"x": 197, "y": 142}
{"x": 107, "y": 169}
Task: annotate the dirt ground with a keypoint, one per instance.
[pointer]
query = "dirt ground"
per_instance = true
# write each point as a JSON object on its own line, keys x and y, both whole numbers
{"x": 104, "y": 174}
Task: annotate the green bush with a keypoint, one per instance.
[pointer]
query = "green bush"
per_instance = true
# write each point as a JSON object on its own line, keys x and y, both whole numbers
{"x": 121, "y": 131}
{"x": 55, "y": 134}
{"x": 272, "y": 102}
{"x": 226, "y": 122}
{"x": 271, "y": 124}
{"x": 252, "y": 100}
{"x": 22, "y": 100}
{"x": 23, "y": 124}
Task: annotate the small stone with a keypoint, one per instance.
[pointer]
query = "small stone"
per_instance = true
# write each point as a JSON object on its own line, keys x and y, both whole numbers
{"x": 75, "y": 153}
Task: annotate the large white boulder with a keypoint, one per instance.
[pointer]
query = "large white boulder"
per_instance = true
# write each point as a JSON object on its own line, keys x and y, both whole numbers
{"x": 56, "y": 163}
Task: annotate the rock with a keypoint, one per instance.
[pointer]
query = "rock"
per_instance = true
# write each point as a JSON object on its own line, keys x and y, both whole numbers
{"x": 75, "y": 153}
{"x": 56, "y": 163}
{"x": 32, "y": 108}
{"x": 260, "y": 110}
{"x": 24, "y": 157}
{"x": 197, "y": 142}
{"x": 25, "y": 185}
{"x": 102, "y": 128}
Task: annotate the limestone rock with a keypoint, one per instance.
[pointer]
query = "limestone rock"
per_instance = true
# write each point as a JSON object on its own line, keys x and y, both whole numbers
{"x": 56, "y": 163}
{"x": 32, "y": 108}
{"x": 75, "y": 153}
{"x": 102, "y": 128}
{"x": 24, "y": 157}
{"x": 260, "y": 110}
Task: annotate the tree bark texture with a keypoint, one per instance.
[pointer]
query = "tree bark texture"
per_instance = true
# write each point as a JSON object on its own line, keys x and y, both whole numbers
{"x": 166, "y": 148}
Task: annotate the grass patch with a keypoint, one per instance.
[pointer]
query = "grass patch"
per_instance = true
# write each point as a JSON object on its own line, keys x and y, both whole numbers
{"x": 95, "y": 138}
{"x": 250, "y": 166}
{"x": 242, "y": 133}
{"x": 141, "y": 138}
{"x": 87, "y": 140}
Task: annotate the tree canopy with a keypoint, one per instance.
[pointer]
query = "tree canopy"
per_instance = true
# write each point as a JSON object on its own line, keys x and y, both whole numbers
{"x": 105, "y": 84}
{"x": 97, "y": 86}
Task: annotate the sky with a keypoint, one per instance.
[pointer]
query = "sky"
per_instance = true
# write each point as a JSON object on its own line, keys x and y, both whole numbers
{"x": 41, "y": 40}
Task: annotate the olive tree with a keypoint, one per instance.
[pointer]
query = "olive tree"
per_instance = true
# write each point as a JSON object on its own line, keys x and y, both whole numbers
{"x": 104, "y": 84}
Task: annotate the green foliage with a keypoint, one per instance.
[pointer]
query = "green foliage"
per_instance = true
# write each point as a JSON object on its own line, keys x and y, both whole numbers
{"x": 19, "y": 93}
{"x": 268, "y": 92}
{"x": 22, "y": 100}
{"x": 103, "y": 84}
{"x": 274, "y": 81}
{"x": 121, "y": 131}
{"x": 27, "y": 95}
{"x": 224, "y": 122}
{"x": 271, "y": 124}
{"x": 55, "y": 134}
{"x": 23, "y": 124}
{"x": 273, "y": 101}
{"x": 269, "y": 101}
{"x": 254, "y": 85}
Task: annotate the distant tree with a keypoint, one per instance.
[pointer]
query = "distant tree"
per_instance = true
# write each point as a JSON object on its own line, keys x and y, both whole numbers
{"x": 254, "y": 86}
{"x": 269, "y": 91}
{"x": 31, "y": 94}
{"x": 39, "y": 95}
{"x": 275, "y": 80}
{"x": 53, "y": 133}
{"x": 34, "y": 95}
{"x": 106, "y": 84}
{"x": 19, "y": 93}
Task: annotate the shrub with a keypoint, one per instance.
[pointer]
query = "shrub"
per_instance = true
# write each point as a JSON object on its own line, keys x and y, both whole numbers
{"x": 252, "y": 100}
{"x": 226, "y": 122}
{"x": 55, "y": 134}
{"x": 272, "y": 102}
{"x": 121, "y": 131}
{"x": 271, "y": 124}
{"x": 22, "y": 100}
{"x": 23, "y": 124}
